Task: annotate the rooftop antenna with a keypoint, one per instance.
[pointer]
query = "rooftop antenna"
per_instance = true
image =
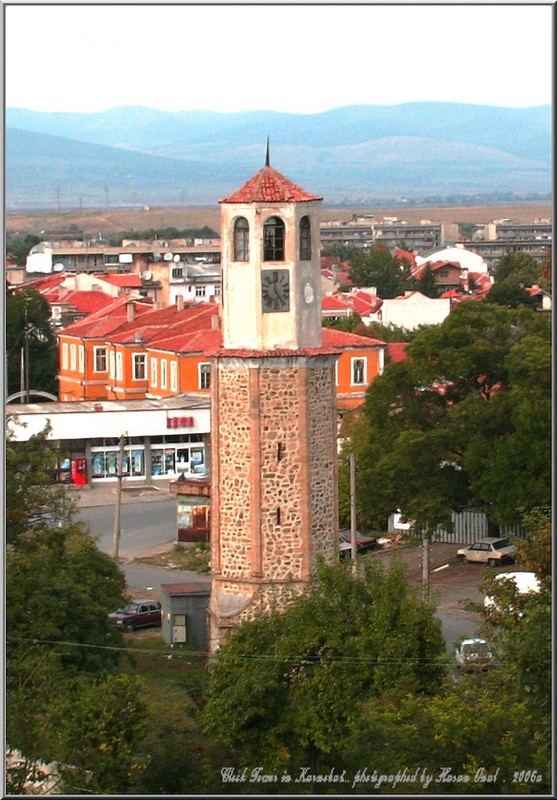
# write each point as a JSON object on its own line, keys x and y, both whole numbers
{"x": 267, "y": 162}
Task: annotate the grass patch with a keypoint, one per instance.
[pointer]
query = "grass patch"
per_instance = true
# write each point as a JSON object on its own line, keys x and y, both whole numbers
{"x": 186, "y": 555}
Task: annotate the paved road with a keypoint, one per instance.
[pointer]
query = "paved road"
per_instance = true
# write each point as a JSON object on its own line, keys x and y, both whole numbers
{"x": 143, "y": 525}
{"x": 145, "y": 580}
{"x": 146, "y": 526}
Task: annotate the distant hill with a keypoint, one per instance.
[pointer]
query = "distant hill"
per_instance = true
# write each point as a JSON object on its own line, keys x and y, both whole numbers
{"x": 350, "y": 155}
{"x": 44, "y": 170}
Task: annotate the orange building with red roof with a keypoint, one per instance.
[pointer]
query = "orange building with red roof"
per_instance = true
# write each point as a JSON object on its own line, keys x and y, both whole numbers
{"x": 130, "y": 351}
{"x": 83, "y": 372}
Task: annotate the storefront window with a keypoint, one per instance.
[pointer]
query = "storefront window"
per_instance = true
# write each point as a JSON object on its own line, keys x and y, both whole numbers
{"x": 173, "y": 456}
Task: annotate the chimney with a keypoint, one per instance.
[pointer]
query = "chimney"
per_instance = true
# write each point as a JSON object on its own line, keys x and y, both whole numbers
{"x": 179, "y": 302}
{"x": 215, "y": 322}
{"x": 130, "y": 310}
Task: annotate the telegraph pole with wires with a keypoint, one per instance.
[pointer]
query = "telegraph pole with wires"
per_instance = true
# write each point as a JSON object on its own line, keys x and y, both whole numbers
{"x": 353, "y": 542}
{"x": 118, "y": 505}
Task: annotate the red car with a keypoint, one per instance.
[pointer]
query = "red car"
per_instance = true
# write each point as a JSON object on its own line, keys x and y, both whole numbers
{"x": 363, "y": 543}
{"x": 139, "y": 614}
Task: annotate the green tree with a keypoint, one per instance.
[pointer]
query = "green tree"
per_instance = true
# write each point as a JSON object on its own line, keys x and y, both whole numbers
{"x": 377, "y": 267}
{"x": 510, "y": 293}
{"x": 478, "y": 727}
{"x": 18, "y": 246}
{"x": 347, "y": 324}
{"x": 426, "y": 283}
{"x": 517, "y": 265}
{"x": 101, "y": 735}
{"x": 464, "y": 421}
{"x": 27, "y": 312}
{"x": 59, "y": 591}
{"x": 284, "y": 690}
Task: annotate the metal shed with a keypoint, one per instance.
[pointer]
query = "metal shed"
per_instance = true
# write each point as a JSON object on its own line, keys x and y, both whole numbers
{"x": 185, "y": 609}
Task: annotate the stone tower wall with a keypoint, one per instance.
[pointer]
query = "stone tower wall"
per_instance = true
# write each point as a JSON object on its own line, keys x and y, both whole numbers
{"x": 275, "y": 443}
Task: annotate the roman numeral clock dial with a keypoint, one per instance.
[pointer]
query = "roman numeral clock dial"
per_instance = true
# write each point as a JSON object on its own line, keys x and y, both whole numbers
{"x": 275, "y": 290}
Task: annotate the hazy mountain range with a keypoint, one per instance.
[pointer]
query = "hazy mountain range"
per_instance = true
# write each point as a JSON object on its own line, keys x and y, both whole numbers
{"x": 350, "y": 155}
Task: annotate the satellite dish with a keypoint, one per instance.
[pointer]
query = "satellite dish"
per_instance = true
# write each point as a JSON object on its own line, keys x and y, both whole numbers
{"x": 58, "y": 267}
{"x": 176, "y": 258}
{"x": 146, "y": 275}
{"x": 168, "y": 256}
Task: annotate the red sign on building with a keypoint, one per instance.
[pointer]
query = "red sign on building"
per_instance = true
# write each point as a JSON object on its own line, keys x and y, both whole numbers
{"x": 180, "y": 422}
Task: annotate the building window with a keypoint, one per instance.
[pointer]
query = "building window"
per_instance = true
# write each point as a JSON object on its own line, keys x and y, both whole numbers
{"x": 100, "y": 359}
{"x": 359, "y": 371}
{"x": 217, "y": 291}
{"x": 200, "y": 291}
{"x": 65, "y": 356}
{"x": 241, "y": 239}
{"x": 139, "y": 366}
{"x": 204, "y": 371}
{"x": 81, "y": 358}
{"x": 118, "y": 366}
{"x": 305, "y": 239}
{"x": 273, "y": 239}
{"x": 153, "y": 362}
{"x": 111, "y": 363}
{"x": 73, "y": 356}
{"x": 163, "y": 373}
{"x": 173, "y": 376}
{"x": 177, "y": 272}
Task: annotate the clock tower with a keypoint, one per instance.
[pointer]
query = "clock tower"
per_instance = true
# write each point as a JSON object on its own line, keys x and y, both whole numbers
{"x": 273, "y": 412}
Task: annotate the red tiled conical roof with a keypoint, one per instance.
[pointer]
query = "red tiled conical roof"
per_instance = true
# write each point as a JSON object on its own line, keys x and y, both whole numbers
{"x": 269, "y": 186}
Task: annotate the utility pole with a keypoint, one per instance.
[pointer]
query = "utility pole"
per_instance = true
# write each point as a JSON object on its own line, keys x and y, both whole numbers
{"x": 22, "y": 375}
{"x": 353, "y": 543}
{"x": 118, "y": 506}
{"x": 425, "y": 564}
{"x": 26, "y": 357}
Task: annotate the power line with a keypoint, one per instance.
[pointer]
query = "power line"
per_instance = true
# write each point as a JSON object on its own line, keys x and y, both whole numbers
{"x": 301, "y": 660}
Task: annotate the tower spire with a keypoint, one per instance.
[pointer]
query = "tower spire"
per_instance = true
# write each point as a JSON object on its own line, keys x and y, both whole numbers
{"x": 267, "y": 160}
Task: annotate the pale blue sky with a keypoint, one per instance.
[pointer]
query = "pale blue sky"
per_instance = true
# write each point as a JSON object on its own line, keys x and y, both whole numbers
{"x": 298, "y": 59}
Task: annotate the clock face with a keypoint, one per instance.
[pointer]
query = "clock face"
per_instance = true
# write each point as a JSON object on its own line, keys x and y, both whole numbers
{"x": 309, "y": 294}
{"x": 275, "y": 290}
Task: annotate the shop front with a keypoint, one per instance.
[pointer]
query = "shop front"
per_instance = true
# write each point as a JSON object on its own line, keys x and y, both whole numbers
{"x": 155, "y": 439}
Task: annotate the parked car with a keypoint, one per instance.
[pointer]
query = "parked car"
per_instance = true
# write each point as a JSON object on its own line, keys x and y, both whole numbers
{"x": 525, "y": 582}
{"x": 474, "y": 654}
{"x": 139, "y": 614}
{"x": 492, "y": 550}
{"x": 363, "y": 543}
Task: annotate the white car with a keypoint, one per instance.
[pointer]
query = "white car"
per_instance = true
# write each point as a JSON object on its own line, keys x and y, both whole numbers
{"x": 492, "y": 550}
{"x": 525, "y": 582}
{"x": 474, "y": 654}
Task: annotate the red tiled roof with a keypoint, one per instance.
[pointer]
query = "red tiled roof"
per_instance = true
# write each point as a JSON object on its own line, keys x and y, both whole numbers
{"x": 128, "y": 280}
{"x": 83, "y": 300}
{"x": 106, "y": 320}
{"x": 166, "y": 322}
{"x": 331, "y": 302}
{"x": 43, "y": 284}
{"x": 282, "y": 352}
{"x": 364, "y": 303}
{"x": 209, "y": 341}
{"x": 334, "y": 338}
{"x": 396, "y": 352}
{"x": 197, "y": 342}
{"x": 269, "y": 186}
{"x": 328, "y": 262}
{"x": 418, "y": 271}
{"x": 407, "y": 255}
{"x": 451, "y": 293}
